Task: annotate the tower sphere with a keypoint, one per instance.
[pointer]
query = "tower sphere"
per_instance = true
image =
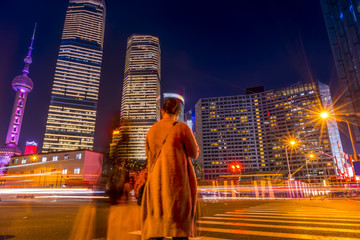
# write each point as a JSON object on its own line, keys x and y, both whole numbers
{"x": 22, "y": 82}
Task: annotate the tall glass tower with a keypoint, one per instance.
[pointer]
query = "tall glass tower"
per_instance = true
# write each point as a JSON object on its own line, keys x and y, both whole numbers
{"x": 140, "y": 106}
{"x": 342, "y": 23}
{"x": 72, "y": 113}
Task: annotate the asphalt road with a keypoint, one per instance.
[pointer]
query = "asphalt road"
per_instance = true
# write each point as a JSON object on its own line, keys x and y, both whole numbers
{"x": 218, "y": 220}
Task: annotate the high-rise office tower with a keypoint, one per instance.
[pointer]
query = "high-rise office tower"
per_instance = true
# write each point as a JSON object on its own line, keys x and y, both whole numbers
{"x": 22, "y": 84}
{"x": 72, "y": 113}
{"x": 254, "y": 130}
{"x": 342, "y": 23}
{"x": 140, "y": 105}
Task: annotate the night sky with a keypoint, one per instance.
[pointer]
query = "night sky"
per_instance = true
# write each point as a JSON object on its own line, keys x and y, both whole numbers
{"x": 209, "y": 48}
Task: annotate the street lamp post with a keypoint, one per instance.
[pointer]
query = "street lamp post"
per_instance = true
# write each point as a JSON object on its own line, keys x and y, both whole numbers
{"x": 354, "y": 150}
{"x": 291, "y": 143}
{"x": 287, "y": 160}
{"x": 307, "y": 171}
{"x": 325, "y": 115}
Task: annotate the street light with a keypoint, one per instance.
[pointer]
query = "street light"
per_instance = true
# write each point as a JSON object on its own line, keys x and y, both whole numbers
{"x": 292, "y": 143}
{"x": 311, "y": 156}
{"x": 325, "y": 115}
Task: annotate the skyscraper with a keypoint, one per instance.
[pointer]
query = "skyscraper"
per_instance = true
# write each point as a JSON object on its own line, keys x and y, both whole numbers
{"x": 72, "y": 113}
{"x": 140, "y": 105}
{"x": 342, "y": 23}
{"x": 253, "y": 130}
{"x": 22, "y": 84}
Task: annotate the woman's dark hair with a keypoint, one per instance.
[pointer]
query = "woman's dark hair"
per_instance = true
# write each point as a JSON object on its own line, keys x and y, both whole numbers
{"x": 171, "y": 106}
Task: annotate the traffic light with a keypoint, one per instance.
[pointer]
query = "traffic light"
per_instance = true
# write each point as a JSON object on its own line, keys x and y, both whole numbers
{"x": 235, "y": 168}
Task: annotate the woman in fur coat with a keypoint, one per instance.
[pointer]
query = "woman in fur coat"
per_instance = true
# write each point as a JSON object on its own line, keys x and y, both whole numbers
{"x": 169, "y": 200}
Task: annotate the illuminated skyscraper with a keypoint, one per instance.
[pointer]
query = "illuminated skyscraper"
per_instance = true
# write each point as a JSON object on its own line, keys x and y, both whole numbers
{"x": 140, "y": 106}
{"x": 342, "y": 23}
{"x": 22, "y": 85}
{"x": 72, "y": 113}
{"x": 253, "y": 130}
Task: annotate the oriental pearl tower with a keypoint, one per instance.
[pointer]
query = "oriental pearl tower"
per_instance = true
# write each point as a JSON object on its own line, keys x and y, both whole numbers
{"x": 22, "y": 84}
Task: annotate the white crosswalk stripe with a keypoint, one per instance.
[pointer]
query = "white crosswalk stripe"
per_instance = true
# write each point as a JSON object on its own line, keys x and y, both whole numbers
{"x": 261, "y": 223}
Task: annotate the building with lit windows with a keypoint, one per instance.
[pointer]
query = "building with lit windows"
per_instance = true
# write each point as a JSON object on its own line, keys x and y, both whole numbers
{"x": 254, "y": 130}
{"x": 114, "y": 142}
{"x": 140, "y": 105}
{"x": 342, "y": 20}
{"x": 72, "y": 113}
{"x": 69, "y": 168}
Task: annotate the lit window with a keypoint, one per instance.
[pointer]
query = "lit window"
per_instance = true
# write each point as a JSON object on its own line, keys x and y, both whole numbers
{"x": 77, "y": 171}
{"x": 64, "y": 171}
{"x": 44, "y": 159}
{"x": 23, "y": 160}
{"x": 67, "y": 156}
{"x": 55, "y": 158}
{"x": 78, "y": 156}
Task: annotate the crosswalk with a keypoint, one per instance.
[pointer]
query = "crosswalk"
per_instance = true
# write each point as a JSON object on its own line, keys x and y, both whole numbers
{"x": 261, "y": 223}
{"x": 279, "y": 223}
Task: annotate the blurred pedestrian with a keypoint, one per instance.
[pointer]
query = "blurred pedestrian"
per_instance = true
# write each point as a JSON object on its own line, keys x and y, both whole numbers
{"x": 169, "y": 202}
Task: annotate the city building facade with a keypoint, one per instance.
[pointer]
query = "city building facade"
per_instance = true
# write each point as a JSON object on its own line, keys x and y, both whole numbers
{"x": 254, "y": 131}
{"x": 140, "y": 105}
{"x": 114, "y": 142}
{"x": 55, "y": 169}
{"x": 72, "y": 112}
{"x": 341, "y": 20}
{"x": 22, "y": 85}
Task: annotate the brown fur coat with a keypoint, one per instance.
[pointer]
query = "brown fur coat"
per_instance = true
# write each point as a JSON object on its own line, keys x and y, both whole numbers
{"x": 169, "y": 200}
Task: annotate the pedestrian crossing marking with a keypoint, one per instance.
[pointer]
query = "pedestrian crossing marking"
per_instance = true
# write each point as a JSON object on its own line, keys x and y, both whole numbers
{"x": 228, "y": 214}
{"x": 232, "y": 217}
{"x": 196, "y": 238}
{"x": 280, "y": 226}
{"x": 272, "y": 234}
{"x": 292, "y": 211}
{"x": 266, "y": 224}
{"x": 314, "y": 216}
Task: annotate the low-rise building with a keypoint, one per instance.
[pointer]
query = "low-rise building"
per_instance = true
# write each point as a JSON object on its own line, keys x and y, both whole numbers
{"x": 55, "y": 169}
